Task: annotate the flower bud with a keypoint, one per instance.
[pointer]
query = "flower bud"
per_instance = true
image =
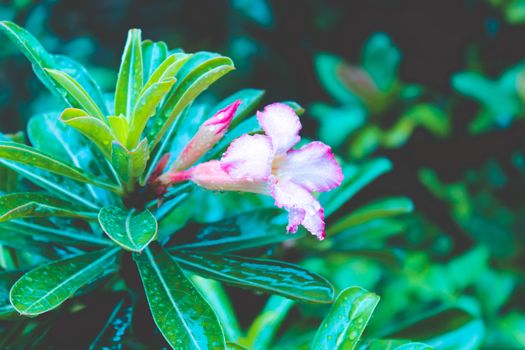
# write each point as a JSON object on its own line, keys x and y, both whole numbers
{"x": 209, "y": 133}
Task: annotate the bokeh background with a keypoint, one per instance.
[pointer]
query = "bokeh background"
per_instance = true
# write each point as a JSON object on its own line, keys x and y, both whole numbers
{"x": 437, "y": 87}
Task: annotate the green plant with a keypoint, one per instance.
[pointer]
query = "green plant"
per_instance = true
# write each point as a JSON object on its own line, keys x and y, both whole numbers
{"x": 79, "y": 212}
{"x": 376, "y": 109}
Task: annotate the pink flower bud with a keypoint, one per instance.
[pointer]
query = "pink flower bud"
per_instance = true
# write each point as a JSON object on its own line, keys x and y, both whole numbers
{"x": 209, "y": 133}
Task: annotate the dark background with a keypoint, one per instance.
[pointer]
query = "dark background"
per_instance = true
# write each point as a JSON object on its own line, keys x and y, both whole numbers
{"x": 437, "y": 38}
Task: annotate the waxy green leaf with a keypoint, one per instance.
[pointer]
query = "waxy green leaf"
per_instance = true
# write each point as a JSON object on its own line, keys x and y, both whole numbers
{"x": 130, "y": 76}
{"x": 119, "y": 127}
{"x": 57, "y": 185}
{"x": 167, "y": 69}
{"x": 27, "y": 155}
{"x": 130, "y": 229}
{"x": 77, "y": 92}
{"x": 234, "y": 346}
{"x": 383, "y": 208}
{"x": 264, "y": 328}
{"x": 216, "y": 295}
{"x": 95, "y": 129}
{"x": 203, "y": 70}
{"x": 53, "y": 137}
{"x": 32, "y": 205}
{"x": 449, "y": 329}
{"x": 54, "y": 234}
{"x": 129, "y": 164}
{"x": 153, "y": 54}
{"x": 394, "y": 344}
{"x": 257, "y": 228}
{"x": 41, "y": 59}
{"x": 145, "y": 108}
{"x": 183, "y": 316}
{"x": 342, "y": 327}
{"x": 270, "y": 276}
{"x": 9, "y": 177}
{"x": 7, "y": 279}
{"x": 48, "y": 286}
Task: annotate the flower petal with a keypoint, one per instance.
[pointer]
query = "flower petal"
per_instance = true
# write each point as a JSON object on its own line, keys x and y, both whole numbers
{"x": 249, "y": 157}
{"x": 211, "y": 176}
{"x": 295, "y": 218}
{"x": 281, "y": 124}
{"x": 312, "y": 166}
{"x": 302, "y": 207}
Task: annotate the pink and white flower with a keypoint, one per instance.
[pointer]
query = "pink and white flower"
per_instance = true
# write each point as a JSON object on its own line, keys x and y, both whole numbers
{"x": 267, "y": 164}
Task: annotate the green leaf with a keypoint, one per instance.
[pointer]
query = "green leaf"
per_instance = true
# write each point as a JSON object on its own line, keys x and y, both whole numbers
{"x": 27, "y": 155}
{"x": 265, "y": 327}
{"x": 203, "y": 70}
{"x": 348, "y": 119}
{"x": 145, "y": 108}
{"x": 129, "y": 164}
{"x": 96, "y": 130}
{"x": 110, "y": 336}
{"x": 39, "y": 251}
{"x": 184, "y": 318}
{"x": 328, "y": 69}
{"x": 130, "y": 75}
{"x": 447, "y": 330}
{"x": 53, "y": 183}
{"x": 383, "y": 208}
{"x": 53, "y": 234}
{"x": 78, "y": 72}
{"x": 157, "y": 86}
{"x": 190, "y": 83}
{"x": 355, "y": 178}
{"x": 257, "y": 228}
{"x": 46, "y": 287}
{"x": 33, "y": 205}
{"x": 7, "y": 279}
{"x": 381, "y": 59}
{"x": 269, "y": 276}
{"x": 153, "y": 54}
{"x": 217, "y": 297}
{"x": 41, "y": 59}
{"x": 394, "y": 344}
{"x": 50, "y": 135}
{"x": 167, "y": 69}
{"x": 130, "y": 229}
{"x": 119, "y": 127}
{"x": 9, "y": 177}
{"x": 234, "y": 346}
{"x": 77, "y": 92}
{"x": 346, "y": 321}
